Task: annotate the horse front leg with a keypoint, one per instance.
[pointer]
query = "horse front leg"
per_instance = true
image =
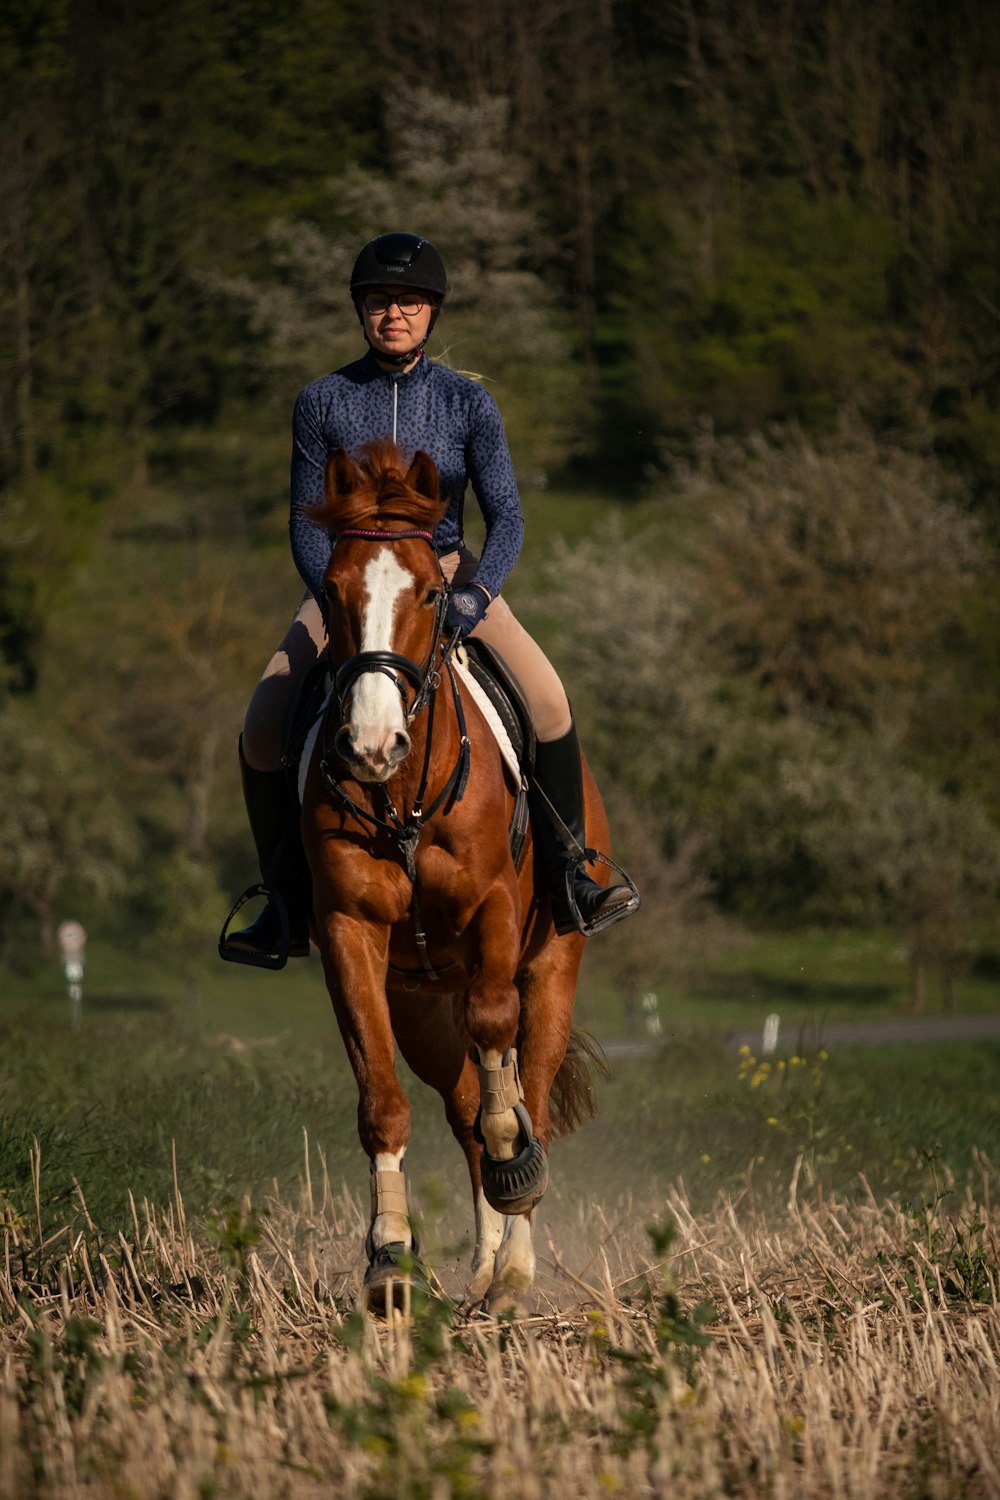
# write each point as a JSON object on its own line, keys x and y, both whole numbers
{"x": 514, "y": 1165}
{"x": 355, "y": 959}
{"x": 437, "y": 1050}
{"x": 547, "y": 987}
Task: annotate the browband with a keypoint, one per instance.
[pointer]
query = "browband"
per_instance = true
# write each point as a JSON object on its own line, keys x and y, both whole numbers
{"x": 385, "y": 536}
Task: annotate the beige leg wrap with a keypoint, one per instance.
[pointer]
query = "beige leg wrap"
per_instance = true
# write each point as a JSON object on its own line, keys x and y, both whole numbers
{"x": 388, "y": 1193}
{"x": 514, "y": 1166}
{"x": 500, "y": 1088}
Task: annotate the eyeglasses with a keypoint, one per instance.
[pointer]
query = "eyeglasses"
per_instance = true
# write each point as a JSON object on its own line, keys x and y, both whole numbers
{"x": 409, "y": 303}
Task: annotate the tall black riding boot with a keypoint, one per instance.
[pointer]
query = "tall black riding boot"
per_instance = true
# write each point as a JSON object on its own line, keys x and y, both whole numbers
{"x": 274, "y": 823}
{"x": 579, "y": 904}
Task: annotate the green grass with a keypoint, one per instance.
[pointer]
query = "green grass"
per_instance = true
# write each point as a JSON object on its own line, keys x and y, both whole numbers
{"x": 838, "y": 976}
{"x": 231, "y": 1067}
{"x": 693, "y": 1111}
{"x": 809, "y": 979}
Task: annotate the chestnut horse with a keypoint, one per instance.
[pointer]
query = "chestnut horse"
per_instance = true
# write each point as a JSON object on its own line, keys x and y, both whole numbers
{"x": 431, "y": 938}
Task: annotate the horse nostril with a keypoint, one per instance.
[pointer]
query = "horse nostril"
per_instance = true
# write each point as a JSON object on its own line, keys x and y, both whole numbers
{"x": 343, "y": 742}
{"x": 401, "y": 747}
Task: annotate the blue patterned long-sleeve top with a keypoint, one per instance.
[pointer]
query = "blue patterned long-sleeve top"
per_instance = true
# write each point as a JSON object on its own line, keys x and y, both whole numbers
{"x": 450, "y": 417}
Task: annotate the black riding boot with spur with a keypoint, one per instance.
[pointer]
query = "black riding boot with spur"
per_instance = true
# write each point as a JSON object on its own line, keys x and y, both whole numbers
{"x": 555, "y": 796}
{"x": 274, "y": 823}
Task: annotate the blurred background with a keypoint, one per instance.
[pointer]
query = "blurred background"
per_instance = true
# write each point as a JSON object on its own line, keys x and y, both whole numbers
{"x": 732, "y": 271}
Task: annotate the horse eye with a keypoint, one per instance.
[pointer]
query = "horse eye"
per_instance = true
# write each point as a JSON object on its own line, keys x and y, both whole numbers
{"x": 432, "y": 596}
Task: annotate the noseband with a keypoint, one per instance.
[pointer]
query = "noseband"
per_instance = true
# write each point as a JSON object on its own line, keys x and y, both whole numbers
{"x": 425, "y": 680}
{"x": 399, "y": 669}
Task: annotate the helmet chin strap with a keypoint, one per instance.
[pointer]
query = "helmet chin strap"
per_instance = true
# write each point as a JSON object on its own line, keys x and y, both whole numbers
{"x": 399, "y": 359}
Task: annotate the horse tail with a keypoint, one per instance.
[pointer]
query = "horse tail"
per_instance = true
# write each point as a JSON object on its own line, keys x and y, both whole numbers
{"x": 572, "y": 1099}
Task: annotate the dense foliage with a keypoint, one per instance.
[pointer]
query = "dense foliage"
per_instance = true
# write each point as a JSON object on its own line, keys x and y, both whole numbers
{"x": 670, "y": 228}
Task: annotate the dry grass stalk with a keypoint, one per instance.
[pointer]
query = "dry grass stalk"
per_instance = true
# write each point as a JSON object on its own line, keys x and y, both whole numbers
{"x": 848, "y": 1359}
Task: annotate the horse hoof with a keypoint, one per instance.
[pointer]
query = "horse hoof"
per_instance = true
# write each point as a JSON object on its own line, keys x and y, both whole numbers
{"x": 505, "y": 1303}
{"x": 515, "y": 1186}
{"x": 393, "y": 1274}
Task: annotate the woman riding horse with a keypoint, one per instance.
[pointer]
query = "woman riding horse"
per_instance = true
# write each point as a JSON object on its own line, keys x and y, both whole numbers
{"x": 396, "y": 392}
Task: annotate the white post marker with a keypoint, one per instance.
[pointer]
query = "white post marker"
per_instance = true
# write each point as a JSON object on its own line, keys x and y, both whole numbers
{"x": 650, "y": 1005}
{"x": 770, "y": 1040}
{"x": 72, "y": 939}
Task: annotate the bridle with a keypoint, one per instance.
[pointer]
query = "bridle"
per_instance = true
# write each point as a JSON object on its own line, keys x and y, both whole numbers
{"x": 424, "y": 679}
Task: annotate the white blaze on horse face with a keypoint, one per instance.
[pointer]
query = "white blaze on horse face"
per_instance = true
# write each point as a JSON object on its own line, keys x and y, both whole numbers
{"x": 376, "y": 712}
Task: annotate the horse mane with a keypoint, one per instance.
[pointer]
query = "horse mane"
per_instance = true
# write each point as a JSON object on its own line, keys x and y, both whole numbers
{"x": 375, "y": 486}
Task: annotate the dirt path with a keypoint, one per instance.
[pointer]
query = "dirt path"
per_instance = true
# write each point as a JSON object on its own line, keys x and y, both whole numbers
{"x": 839, "y": 1033}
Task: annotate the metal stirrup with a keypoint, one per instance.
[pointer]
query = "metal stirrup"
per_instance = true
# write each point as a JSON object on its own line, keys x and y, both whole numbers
{"x": 602, "y": 919}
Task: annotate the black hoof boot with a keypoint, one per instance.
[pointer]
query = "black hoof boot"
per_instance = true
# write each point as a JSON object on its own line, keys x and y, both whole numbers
{"x": 394, "y": 1275}
{"x": 515, "y": 1186}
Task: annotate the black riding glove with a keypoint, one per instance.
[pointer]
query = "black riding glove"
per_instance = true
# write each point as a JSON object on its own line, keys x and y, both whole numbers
{"x": 466, "y": 607}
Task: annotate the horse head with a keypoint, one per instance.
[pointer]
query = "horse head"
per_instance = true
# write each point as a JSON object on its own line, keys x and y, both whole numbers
{"x": 384, "y": 596}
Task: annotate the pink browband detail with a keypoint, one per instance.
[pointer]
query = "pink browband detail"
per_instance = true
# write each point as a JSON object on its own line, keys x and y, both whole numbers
{"x": 386, "y": 536}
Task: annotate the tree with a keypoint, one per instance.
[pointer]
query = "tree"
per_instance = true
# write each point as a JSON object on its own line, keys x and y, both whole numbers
{"x": 896, "y": 849}
{"x": 63, "y": 824}
{"x": 177, "y": 664}
{"x": 787, "y": 806}
{"x": 830, "y": 573}
{"x": 452, "y": 178}
{"x": 33, "y": 240}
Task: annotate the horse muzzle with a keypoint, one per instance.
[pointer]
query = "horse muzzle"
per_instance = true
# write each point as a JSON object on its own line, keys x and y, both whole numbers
{"x": 367, "y": 759}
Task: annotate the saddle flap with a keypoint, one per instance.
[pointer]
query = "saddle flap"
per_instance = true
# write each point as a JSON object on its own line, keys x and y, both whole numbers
{"x": 498, "y": 682}
{"x": 302, "y": 723}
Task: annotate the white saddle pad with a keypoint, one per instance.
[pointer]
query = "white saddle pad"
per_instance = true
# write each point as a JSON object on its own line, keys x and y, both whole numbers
{"x": 493, "y": 719}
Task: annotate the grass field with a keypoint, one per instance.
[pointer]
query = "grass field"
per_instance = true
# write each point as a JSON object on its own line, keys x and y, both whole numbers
{"x": 760, "y": 1348}
{"x": 234, "y": 1064}
{"x": 181, "y": 1184}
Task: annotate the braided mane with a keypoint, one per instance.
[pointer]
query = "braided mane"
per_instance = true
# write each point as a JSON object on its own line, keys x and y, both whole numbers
{"x": 376, "y": 486}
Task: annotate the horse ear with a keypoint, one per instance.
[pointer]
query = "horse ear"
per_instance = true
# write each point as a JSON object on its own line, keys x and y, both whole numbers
{"x": 341, "y": 476}
{"x": 422, "y": 476}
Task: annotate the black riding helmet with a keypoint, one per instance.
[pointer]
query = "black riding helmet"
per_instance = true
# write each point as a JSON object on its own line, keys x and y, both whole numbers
{"x": 400, "y": 260}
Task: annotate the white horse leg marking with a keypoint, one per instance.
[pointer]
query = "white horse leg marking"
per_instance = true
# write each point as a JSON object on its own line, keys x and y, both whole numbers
{"x": 490, "y": 1227}
{"x": 514, "y": 1267}
{"x": 392, "y": 1225}
{"x": 376, "y": 712}
{"x": 501, "y": 1129}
